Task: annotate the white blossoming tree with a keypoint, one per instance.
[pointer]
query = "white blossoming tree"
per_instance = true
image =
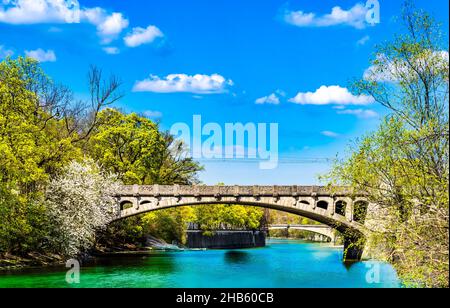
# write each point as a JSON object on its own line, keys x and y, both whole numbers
{"x": 80, "y": 202}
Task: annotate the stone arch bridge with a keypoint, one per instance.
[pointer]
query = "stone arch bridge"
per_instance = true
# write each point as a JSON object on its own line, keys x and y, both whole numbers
{"x": 337, "y": 207}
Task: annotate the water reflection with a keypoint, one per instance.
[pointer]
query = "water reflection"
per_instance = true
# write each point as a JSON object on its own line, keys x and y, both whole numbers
{"x": 349, "y": 264}
{"x": 237, "y": 257}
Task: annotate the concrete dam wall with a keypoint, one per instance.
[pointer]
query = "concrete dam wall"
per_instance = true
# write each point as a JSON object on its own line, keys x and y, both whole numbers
{"x": 226, "y": 239}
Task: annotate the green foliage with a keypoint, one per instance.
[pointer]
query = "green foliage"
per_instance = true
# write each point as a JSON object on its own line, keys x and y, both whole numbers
{"x": 224, "y": 216}
{"x": 23, "y": 223}
{"x": 34, "y": 143}
{"x": 127, "y": 145}
{"x": 169, "y": 224}
{"x": 133, "y": 147}
{"x": 43, "y": 130}
{"x": 404, "y": 166}
{"x": 279, "y": 217}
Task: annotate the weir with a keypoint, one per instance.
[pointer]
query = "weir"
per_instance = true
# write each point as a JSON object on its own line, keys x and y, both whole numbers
{"x": 226, "y": 239}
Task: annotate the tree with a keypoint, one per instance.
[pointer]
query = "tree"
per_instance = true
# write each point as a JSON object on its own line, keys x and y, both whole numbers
{"x": 80, "y": 202}
{"x": 42, "y": 126}
{"x": 42, "y": 129}
{"x": 32, "y": 143}
{"x": 169, "y": 224}
{"x": 404, "y": 165}
{"x": 23, "y": 223}
{"x": 132, "y": 147}
{"x": 127, "y": 145}
{"x": 223, "y": 216}
{"x": 173, "y": 165}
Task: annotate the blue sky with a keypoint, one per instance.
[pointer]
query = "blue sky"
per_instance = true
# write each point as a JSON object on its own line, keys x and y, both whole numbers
{"x": 255, "y": 61}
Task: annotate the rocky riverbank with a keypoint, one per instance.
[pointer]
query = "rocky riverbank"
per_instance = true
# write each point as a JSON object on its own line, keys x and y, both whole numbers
{"x": 9, "y": 261}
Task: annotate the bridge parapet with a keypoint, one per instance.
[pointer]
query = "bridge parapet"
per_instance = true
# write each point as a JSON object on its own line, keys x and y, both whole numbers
{"x": 201, "y": 190}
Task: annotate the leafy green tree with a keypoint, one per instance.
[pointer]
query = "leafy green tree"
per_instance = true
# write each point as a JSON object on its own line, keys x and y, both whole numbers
{"x": 42, "y": 125}
{"x": 33, "y": 142}
{"x": 169, "y": 224}
{"x": 223, "y": 216}
{"x": 24, "y": 224}
{"x": 173, "y": 165}
{"x": 133, "y": 147}
{"x": 127, "y": 145}
{"x": 404, "y": 166}
{"x": 42, "y": 129}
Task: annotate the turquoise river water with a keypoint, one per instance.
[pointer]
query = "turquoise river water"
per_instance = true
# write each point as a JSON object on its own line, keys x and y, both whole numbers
{"x": 282, "y": 263}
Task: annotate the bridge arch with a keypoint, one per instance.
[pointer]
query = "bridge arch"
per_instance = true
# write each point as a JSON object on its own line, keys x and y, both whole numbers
{"x": 334, "y": 220}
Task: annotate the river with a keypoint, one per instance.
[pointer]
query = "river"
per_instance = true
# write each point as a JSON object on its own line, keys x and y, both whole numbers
{"x": 282, "y": 263}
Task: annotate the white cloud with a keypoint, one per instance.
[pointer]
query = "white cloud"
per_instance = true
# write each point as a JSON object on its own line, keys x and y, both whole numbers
{"x": 360, "y": 113}
{"x": 199, "y": 84}
{"x": 363, "y": 40}
{"x": 330, "y": 134}
{"x": 62, "y": 11}
{"x": 112, "y": 26}
{"x": 331, "y": 95}
{"x": 140, "y": 36}
{"x": 39, "y": 11}
{"x": 354, "y": 17}
{"x": 299, "y": 18}
{"x": 41, "y": 55}
{"x": 270, "y": 99}
{"x": 111, "y": 50}
{"x": 4, "y": 52}
{"x": 152, "y": 114}
{"x": 109, "y": 26}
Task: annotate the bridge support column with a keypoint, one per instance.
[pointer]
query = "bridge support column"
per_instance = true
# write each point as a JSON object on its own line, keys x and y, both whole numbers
{"x": 349, "y": 210}
{"x": 332, "y": 206}
{"x": 353, "y": 248}
{"x": 333, "y": 237}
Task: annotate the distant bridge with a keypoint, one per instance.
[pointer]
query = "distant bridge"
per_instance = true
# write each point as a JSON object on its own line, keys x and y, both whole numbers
{"x": 319, "y": 229}
{"x": 333, "y": 207}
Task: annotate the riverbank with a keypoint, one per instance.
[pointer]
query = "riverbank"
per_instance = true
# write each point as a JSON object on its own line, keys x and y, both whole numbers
{"x": 36, "y": 259}
{"x": 10, "y": 262}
